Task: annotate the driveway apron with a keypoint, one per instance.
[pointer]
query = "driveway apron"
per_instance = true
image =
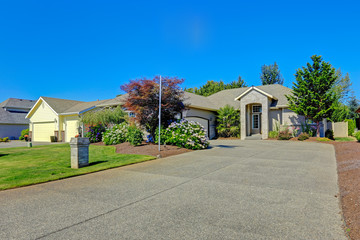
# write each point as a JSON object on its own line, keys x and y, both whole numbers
{"x": 234, "y": 190}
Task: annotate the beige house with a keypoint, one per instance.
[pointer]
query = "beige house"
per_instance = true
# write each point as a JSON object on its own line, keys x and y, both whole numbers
{"x": 261, "y": 109}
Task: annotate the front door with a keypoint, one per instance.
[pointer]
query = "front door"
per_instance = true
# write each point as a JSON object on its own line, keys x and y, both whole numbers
{"x": 256, "y": 123}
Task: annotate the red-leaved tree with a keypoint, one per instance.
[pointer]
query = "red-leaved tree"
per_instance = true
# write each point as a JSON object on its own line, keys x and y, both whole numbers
{"x": 143, "y": 100}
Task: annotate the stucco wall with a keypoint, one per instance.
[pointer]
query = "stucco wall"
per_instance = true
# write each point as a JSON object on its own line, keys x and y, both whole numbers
{"x": 251, "y": 98}
{"x": 211, "y": 116}
{"x": 275, "y": 117}
{"x": 11, "y": 130}
{"x": 340, "y": 129}
{"x": 291, "y": 118}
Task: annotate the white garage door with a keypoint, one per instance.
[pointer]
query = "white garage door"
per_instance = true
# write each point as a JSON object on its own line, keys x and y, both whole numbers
{"x": 43, "y": 131}
{"x": 71, "y": 129}
{"x": 202, "y": 121}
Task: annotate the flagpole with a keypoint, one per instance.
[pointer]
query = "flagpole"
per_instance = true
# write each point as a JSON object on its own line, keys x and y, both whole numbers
{"x": 159, "y": 113}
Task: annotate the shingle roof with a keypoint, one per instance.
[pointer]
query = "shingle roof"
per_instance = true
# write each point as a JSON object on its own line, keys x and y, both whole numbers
{"x": 224, "y": 97}
{"x": 195, "y": 100}
{"x": 10, "y": 117}
{"x": 18, "y": 103}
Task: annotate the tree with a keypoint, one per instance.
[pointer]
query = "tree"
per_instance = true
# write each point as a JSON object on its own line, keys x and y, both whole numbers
{"x": 105, "y": 116}
{"x": 143, "y": 100}
{"x": 212, "y": 87}
{"x": 353, "y": 105}
{"x": 271, "y": 75}
{"x": 341, "y": 89}
{"x": 311, "y": 94}
{"x": 228, "y": 122}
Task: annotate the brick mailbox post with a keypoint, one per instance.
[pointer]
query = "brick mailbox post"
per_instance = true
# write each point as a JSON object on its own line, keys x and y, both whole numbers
{"x": 79, "y": 152}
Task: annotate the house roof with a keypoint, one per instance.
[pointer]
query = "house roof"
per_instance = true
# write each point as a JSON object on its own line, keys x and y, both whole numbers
{"x": 66, "y": 106}
{"x": 220, "y": 99}
{"x": 17, "y": 103}
{"x": 8, "y": 116}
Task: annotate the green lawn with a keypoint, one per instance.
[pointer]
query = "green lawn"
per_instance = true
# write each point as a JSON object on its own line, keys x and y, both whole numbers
{"x": 345, "y": 139}
{"x": 25, "y": 166}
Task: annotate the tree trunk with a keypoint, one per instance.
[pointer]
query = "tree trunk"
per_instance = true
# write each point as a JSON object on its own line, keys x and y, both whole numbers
{"x": 318, "y": 129}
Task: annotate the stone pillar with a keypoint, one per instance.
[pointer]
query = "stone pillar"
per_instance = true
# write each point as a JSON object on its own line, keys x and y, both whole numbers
{"x": 265, "y": 120}
{"x": 79, "y": 152}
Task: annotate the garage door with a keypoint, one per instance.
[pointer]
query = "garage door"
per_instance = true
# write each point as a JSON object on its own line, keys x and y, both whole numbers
{"x": 43, "y": 131}
{"x": 202, "y": 121}
{"x": 71, "y": 129}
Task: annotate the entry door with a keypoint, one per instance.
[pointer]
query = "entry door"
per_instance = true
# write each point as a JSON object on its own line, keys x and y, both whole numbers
{"x": 256, "y": 121}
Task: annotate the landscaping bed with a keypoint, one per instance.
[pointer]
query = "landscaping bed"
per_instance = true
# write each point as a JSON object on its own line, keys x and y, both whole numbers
{"x": 348, "y": 163}
{"x": 147, "y": 149}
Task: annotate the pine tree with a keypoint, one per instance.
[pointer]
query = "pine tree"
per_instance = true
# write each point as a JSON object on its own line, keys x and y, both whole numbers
{"x": 271, "y": 75}
{"x": 311, "y": 94}
{"x": 353, "y": 105}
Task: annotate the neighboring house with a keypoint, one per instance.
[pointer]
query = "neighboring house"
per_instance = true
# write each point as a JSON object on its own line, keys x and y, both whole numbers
{"x": 262, "y": 108}
{"x": 60, "y": 117}
{"x": 12, "y": 117}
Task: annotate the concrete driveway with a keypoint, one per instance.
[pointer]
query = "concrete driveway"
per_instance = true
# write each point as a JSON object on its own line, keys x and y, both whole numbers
{"x": 235, "y": 190}
{"x": 17, "y": 143}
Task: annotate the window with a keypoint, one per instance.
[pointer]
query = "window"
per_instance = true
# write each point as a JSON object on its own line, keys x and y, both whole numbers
{"x": 256, "y": 121}
{"x": 131, "y": 114}
{"x": 256, "y": 109}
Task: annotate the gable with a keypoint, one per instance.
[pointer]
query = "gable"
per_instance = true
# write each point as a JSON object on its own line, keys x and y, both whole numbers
{"x": 254, "y": 89}
{"x": 41, "y": 112}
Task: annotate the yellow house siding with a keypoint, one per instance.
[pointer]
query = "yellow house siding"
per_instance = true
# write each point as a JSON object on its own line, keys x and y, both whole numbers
{"x": 43, "y": 113}
{"x": 71, "y": 126}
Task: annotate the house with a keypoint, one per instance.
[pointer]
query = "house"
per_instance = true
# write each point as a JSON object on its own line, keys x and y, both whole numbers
{"x": 265, "y": 108}
{"x": 12, "y": 117}
{"x": 60, "y": 117}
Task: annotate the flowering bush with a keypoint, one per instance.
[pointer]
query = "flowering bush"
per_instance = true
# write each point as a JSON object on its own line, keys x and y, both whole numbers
{"x": 187, "y": 134}
{"x": 303, "y": 136}
{"x": 285, "y": 135}
{"x": 135, "y": 136}
{"x": 115, "y": 135}
{"x": 95, "y": 133}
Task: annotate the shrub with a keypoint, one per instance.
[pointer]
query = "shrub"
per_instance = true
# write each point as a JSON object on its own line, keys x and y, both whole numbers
{"x": 273, "y": 134}
{"x": 23, "y": 133}
{"x": 228, "y": 122}
{"x": 303, "y": 136}
{"x": 329, "y": 134}
{"x": 115, "y": 135}
{"x": 285, "y": 135}
{"x": 95, "y": 133}
{"x": 357, "y": 136}
{"x": 187, "y": 134}
{"x": 5, "y": 139}
{"x": 135, "y": 136}
{"x": 323, "y": 139}
{"x": 351, "y": 126}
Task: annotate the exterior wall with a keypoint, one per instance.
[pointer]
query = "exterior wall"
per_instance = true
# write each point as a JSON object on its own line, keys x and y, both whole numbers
{"x": 251, "y": 98}
{"x": 211, "y": 116}
{"x": 43, "y": 114}
{"x": 291, "y": 118}
{"x": 13, "y": 131}
{"x": 71, "y": 126}
{"x": 275, "y": 117}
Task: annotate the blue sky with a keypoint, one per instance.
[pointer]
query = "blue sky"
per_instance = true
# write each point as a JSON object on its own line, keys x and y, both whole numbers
{"x": 84, "y": 50}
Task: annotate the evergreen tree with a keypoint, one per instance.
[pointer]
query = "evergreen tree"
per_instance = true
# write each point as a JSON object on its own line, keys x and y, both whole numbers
{"x": 271, "y": 75}
{"x": 353, "y": 105}
{"x": 311, "y": 94}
